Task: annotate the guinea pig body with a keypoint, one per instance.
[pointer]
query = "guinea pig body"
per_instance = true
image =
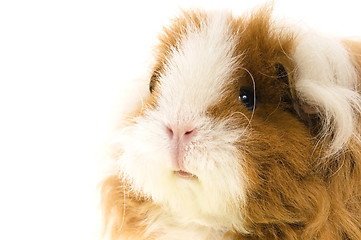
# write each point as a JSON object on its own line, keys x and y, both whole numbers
{"x": 250, "y": 130}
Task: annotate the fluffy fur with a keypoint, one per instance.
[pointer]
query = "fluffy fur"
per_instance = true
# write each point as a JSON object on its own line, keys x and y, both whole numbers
{"x": 195, "y": 163}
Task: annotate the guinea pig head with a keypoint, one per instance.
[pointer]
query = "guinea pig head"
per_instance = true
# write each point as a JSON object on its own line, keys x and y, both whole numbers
{"x": 219, "y": 125}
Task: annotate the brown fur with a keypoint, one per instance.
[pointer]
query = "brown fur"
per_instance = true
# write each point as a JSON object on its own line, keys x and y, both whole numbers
{"x": 289, "y": 197}
{"x": 114, "y": 194}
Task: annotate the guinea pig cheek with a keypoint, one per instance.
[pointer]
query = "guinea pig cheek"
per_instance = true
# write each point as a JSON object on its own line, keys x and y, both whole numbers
{"x": 143, "y": 159}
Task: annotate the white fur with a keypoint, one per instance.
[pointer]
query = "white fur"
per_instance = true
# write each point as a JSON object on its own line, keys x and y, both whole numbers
{"x": 194, "y": 79}
{"x": 170, "y": 227}
{"x": 326, "y": 79}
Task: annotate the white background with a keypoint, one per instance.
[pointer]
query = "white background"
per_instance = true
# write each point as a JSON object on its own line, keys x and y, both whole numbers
{"x": 62, "y": 64}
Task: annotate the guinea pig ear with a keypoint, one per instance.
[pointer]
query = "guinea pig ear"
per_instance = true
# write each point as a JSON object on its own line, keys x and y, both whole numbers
{"x": 302, "y": 109}
{"x": 283, "y": 78}
{"x": 282, "y": 74}
{"x": 325, "y": 84}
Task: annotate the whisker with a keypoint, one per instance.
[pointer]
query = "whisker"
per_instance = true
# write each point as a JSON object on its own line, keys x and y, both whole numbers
{"x": 244, "y": 115}
{"x": 123, "y": 220}
{"x": 254, "y": 91}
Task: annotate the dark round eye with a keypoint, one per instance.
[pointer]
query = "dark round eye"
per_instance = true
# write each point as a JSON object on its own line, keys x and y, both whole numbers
{"x": 247, "y": 97}
{"x": 152, "y": 83}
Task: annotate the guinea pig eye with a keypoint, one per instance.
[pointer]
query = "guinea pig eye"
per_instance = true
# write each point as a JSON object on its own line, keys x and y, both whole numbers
{"x": 153, "y": 80}
{"x": 152, "y": 83}
{"x": 247, "y": 97}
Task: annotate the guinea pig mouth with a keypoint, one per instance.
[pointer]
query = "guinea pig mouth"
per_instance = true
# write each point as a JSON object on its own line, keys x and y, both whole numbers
{"x": 185, "y": 175}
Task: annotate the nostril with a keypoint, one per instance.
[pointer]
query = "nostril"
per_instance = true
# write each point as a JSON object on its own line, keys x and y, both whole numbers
{"x": 170, "y": 132}
{"x": 180, "y": 133}
{"x": 189, "y": 132}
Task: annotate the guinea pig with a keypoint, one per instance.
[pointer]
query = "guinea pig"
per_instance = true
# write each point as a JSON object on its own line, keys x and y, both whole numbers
{"x": 248, "y": 129}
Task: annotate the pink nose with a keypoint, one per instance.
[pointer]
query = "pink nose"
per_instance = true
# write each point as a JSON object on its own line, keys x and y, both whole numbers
{"x": 181, "y": 134}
